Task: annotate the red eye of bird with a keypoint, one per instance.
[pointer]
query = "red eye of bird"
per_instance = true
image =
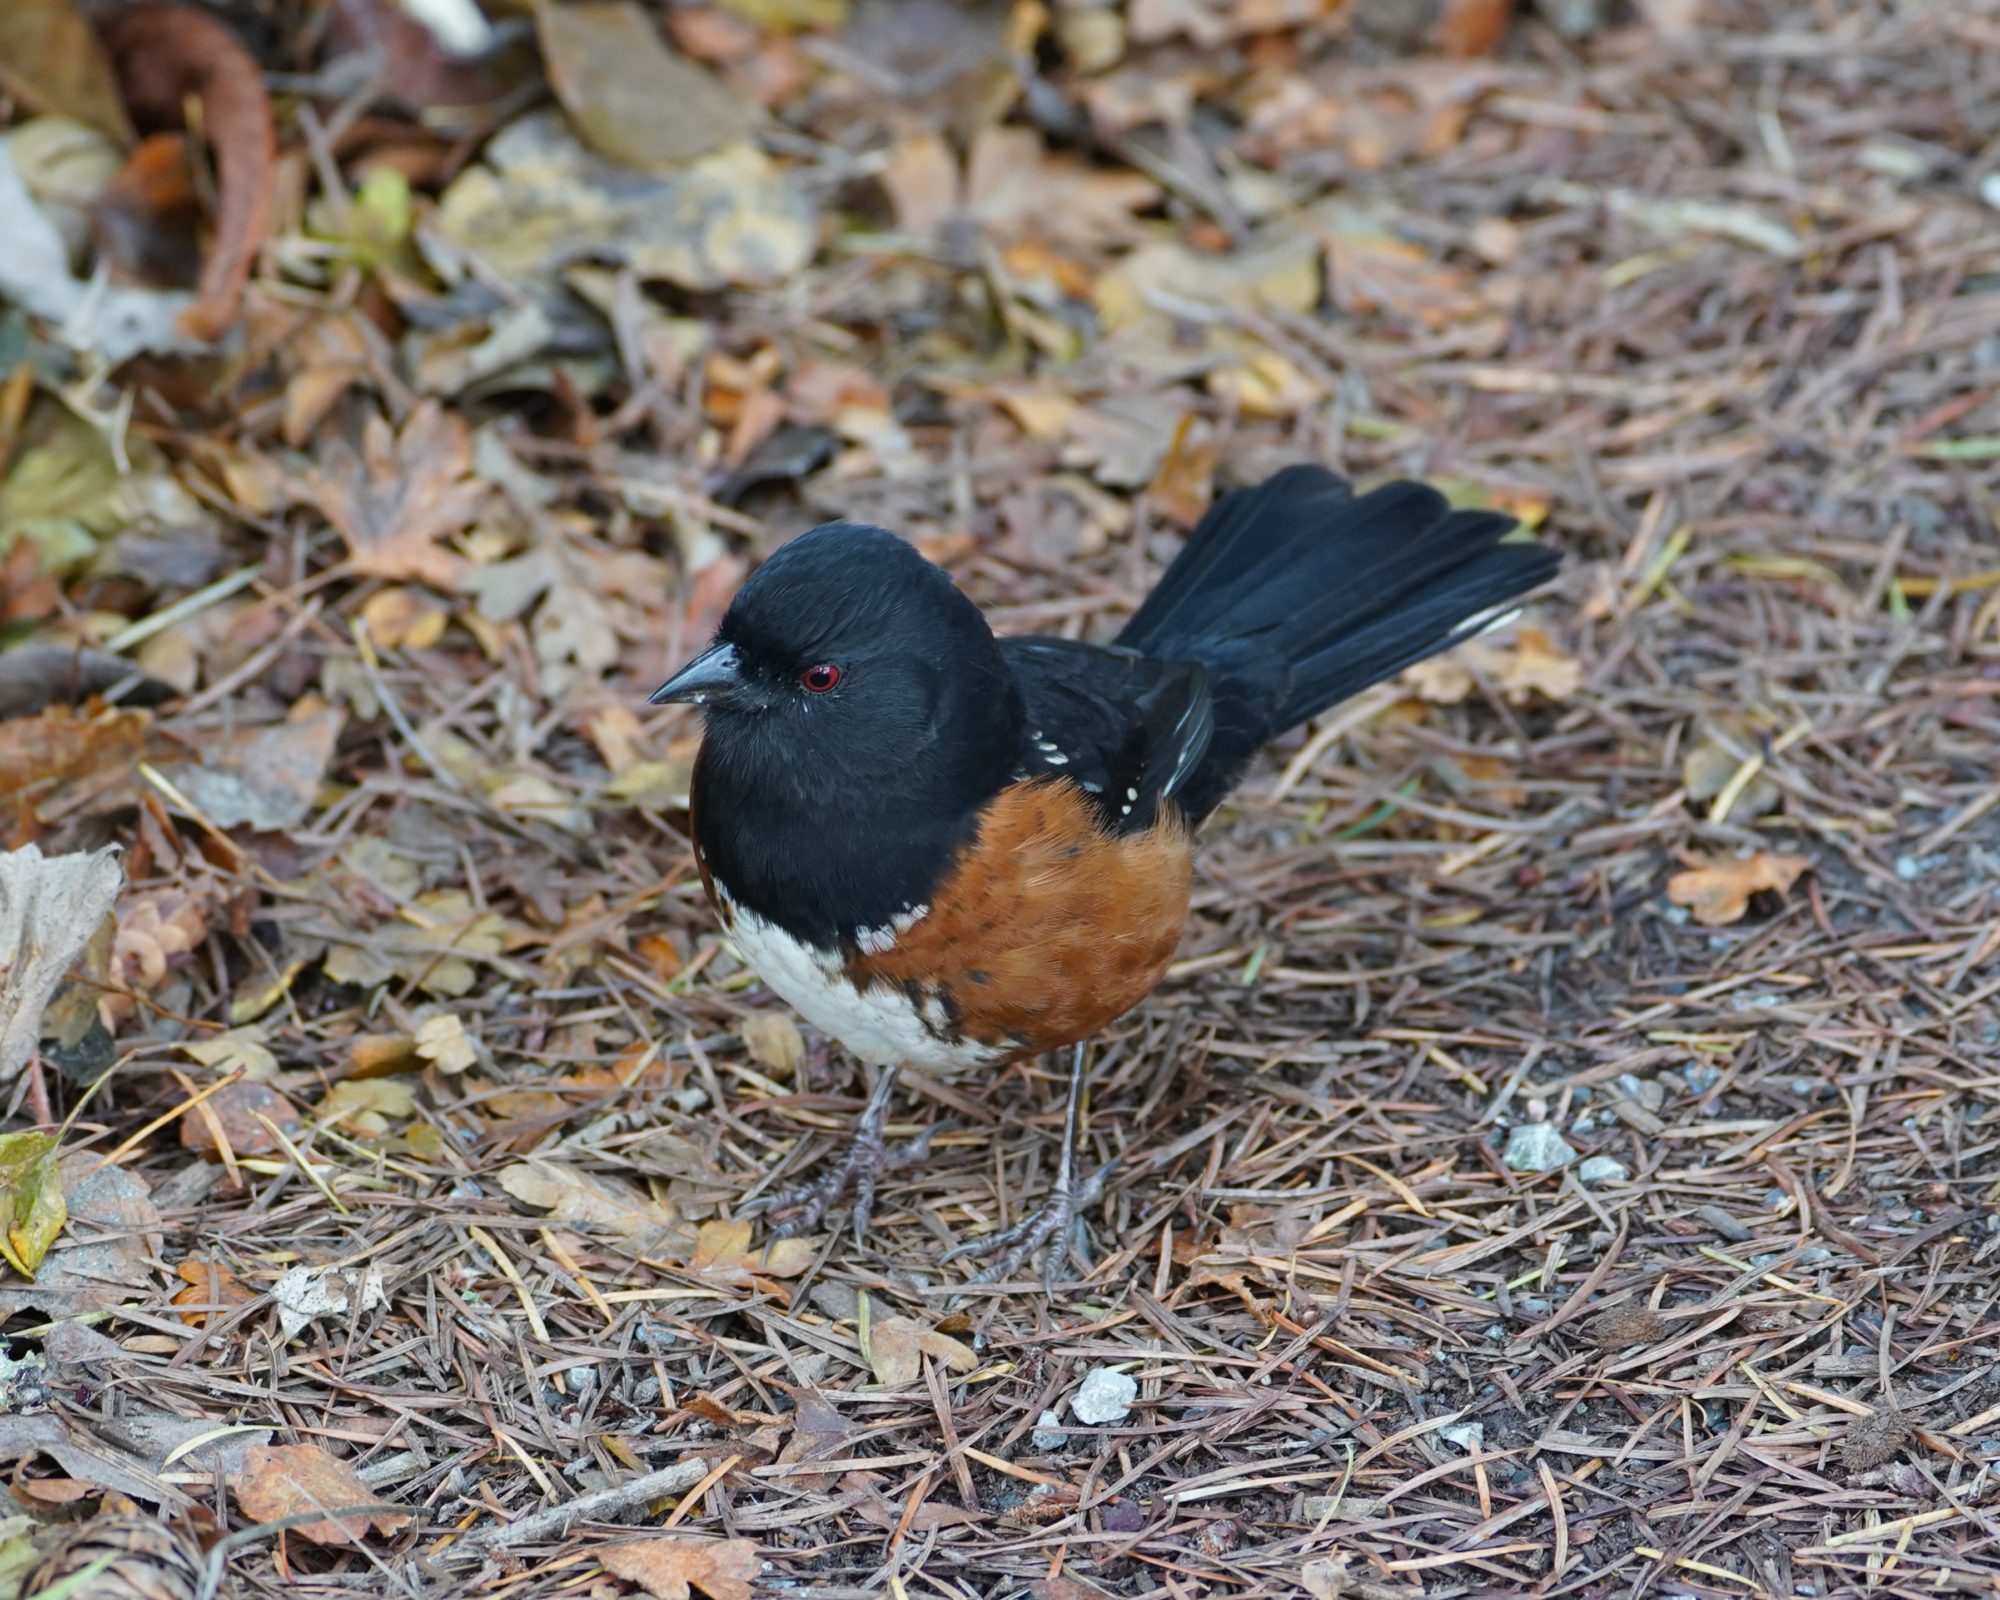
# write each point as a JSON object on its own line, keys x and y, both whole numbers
{"x": 821, "y": 678}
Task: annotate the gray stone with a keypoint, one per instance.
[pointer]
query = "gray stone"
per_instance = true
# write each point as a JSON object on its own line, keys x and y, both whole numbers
{"x": 1602, "y": 1169}
{"x": 1468, "y": 1436}
{"x": 1537, "y": 1147}
{"x": 1051, "y": 1435}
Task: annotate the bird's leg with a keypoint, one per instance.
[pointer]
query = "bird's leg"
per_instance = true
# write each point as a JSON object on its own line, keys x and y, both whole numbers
{"x": 860, "y": 1167}
{"x": 1056, "y": 1228}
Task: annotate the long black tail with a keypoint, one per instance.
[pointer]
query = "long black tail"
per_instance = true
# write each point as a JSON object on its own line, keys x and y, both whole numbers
{"x": 1296, "y": 594}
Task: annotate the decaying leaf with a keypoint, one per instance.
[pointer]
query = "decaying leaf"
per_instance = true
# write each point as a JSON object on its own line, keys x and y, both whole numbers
{"x": 1719, "y": 893}
{"x": 366, "y": 1106}
{"x": 237, "y": 1050}
{"x": 305, "y": 1294}
{"x": 49, "y": 908}
{"x": 289, "y": 1480}
{"x": 543, "y": 201}
{"x": 104, "y": 1260}
{"x": 722, "y": 1253}
{"x": 405, "y": 491}
{"x": 634, "y": 1225}
{"x": 32, "y": 1210}
{"x": 1536, "y": 667}
{"x": 670, "y": 1566}
{"x": 51, "y": 60}
{"x": 895, "y": 1347}
{"x": 263, "y": 778}
{"x": 213, "y": 1291}
{"x": 244, "y": 1115}
{"x": 628, "y": 94}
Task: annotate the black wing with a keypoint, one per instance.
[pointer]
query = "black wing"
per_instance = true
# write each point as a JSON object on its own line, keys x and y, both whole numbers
{"x": 1127, "y": 729}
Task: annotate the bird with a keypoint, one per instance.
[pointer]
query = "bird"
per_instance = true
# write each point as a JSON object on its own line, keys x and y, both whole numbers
{"x": 949, "y": 850}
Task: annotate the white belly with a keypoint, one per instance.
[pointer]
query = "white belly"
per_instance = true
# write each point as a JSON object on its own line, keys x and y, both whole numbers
{"x": 881, "y": 1025}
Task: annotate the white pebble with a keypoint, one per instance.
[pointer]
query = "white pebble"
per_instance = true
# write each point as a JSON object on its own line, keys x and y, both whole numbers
{"x": 1602, "y": 1169}
{"x": 1105, "y": 1396}
{"x": 1051, "y": 1434}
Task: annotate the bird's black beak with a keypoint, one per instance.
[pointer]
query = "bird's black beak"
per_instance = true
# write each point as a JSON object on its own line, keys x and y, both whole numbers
{"x": 713, "y": 678}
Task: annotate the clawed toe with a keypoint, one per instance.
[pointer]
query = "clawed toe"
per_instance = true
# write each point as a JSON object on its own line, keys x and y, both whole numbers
{"x": 1047, "y": 1234}
{"x": 853, "y": 1177}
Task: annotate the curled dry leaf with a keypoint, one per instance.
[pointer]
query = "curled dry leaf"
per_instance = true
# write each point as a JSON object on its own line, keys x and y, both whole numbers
{"x": 401, "y": 494}
{"x": 164, "y": 56}
{"x": 671, "y": 1566}
{"x": 289, "y": 1480}
{"x": 1719, "y": 894}
{"x": 49, "y": 908}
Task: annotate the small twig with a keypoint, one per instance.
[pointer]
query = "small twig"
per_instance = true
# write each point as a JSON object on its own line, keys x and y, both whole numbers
{"x": 620, "y": 1497}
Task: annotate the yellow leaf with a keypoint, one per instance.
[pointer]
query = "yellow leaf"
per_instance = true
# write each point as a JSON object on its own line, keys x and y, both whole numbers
{"x": 31, "y": 1199}
{"x": 443, "y": 1042}
{"x": 774, "y": 1042}
{"x": 1538, "y": 667}
{"x": 238, "y": 1050}
{"x": 1720, "y": 893}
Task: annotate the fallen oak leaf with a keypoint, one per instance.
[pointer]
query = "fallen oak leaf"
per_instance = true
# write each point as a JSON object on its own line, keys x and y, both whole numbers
{"x": 671, "y": 1566}
{"x": 165, "y": 55}
{"x": 1719, "y": 893}
{"x": 289, "y": 1480}
{"x": 400, "y": 495}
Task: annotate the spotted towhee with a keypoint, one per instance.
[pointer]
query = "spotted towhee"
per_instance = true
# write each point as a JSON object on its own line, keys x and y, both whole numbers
{"x": 949, "y": 850}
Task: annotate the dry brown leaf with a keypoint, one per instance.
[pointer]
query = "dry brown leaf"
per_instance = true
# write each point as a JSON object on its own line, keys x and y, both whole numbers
{"x": 263, "y": 778}
{"x": 774, "y": 1042}
{"x": 630, "y": 96}
{"x": 443, "y": 1041}
{"x": 1720, "y": 893}
{"x": 233, "y": 1113}
{"x": 49, "y": 908}
{"x": 636, "y": 1226}
{"x": 167, "y": 56}
{"x": 51, "y": 61}
{"x": 669, "y": 1566}
{"x": 90, "y": 762}
{"x": 1536, "y": 667}
{"x": 212, "y": 1291}
{"x": 897, "y": 1344}
{"x": 722, "y": 1254}
{"x": 288, "y": 1480}
{"x": 404, "y": 492}
{"x": 1472, "y": 27}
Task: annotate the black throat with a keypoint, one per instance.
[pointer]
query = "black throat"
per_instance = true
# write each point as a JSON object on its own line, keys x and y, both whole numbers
{"x": 826, "y": 848}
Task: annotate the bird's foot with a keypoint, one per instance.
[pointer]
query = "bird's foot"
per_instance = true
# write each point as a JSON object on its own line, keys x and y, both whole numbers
{"x": 1048, "y": 1233}
{"x": 853, "y": 1176}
